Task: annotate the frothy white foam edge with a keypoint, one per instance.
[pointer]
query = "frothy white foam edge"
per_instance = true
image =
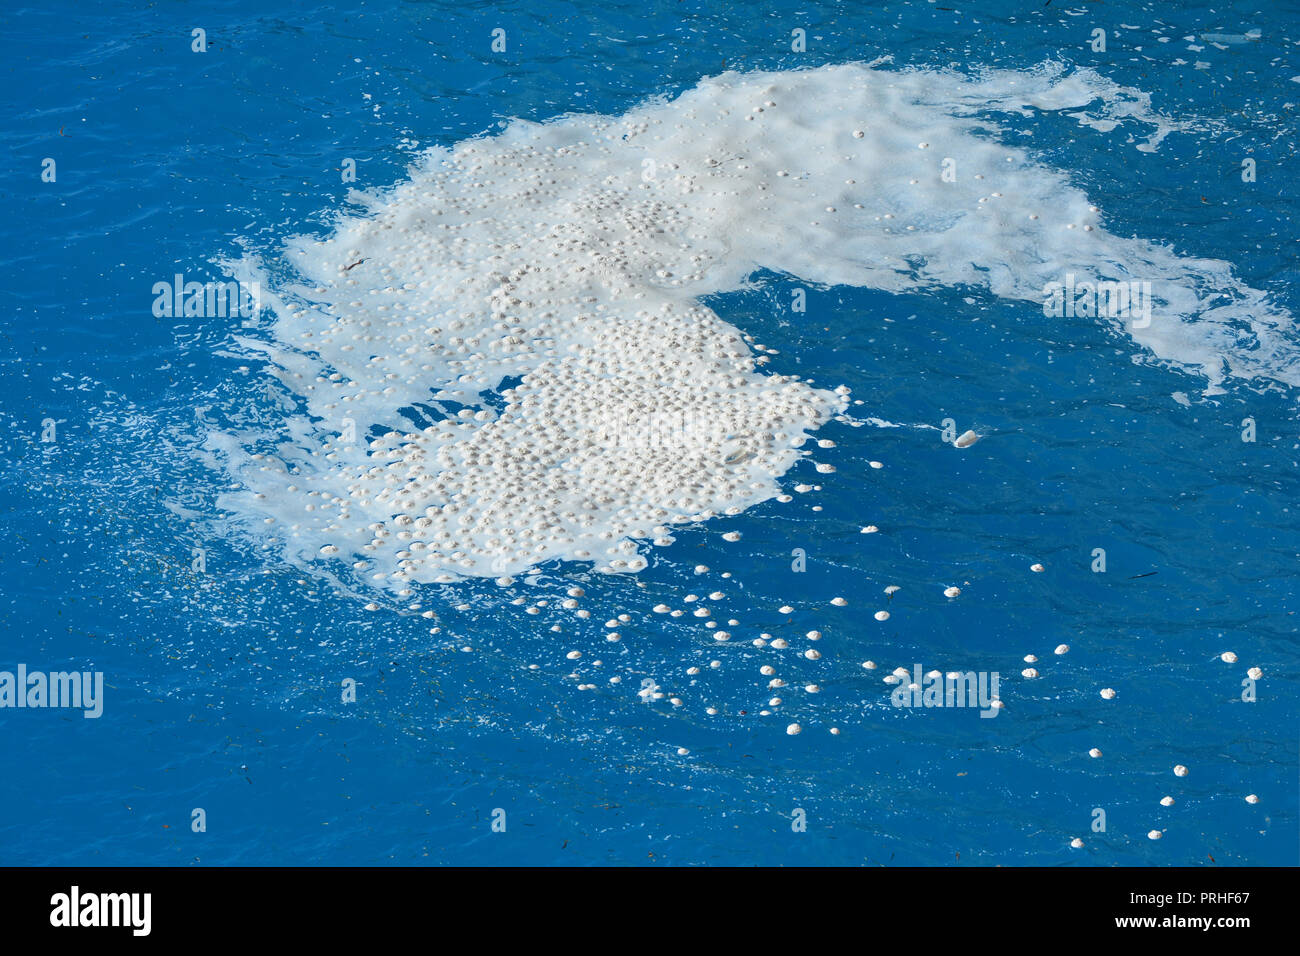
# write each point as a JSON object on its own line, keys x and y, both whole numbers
{"x": 589, "y": 239}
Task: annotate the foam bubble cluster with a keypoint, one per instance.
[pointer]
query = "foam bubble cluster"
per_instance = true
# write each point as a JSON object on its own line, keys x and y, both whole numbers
{"x": 505, "y": 360}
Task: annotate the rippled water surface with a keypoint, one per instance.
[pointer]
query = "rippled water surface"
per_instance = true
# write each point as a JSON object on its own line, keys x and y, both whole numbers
{"x": 132, "y": 542}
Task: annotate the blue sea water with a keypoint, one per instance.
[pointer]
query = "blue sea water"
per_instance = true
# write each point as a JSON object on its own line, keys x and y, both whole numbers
{"x": 223, "y": 683}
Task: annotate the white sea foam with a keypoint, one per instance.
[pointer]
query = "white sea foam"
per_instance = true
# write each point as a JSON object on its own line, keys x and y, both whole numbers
{"x": 572, "y": 255}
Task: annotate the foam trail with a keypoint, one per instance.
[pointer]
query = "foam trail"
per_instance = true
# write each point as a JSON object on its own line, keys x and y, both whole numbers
{"x": 521, "y": 318}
